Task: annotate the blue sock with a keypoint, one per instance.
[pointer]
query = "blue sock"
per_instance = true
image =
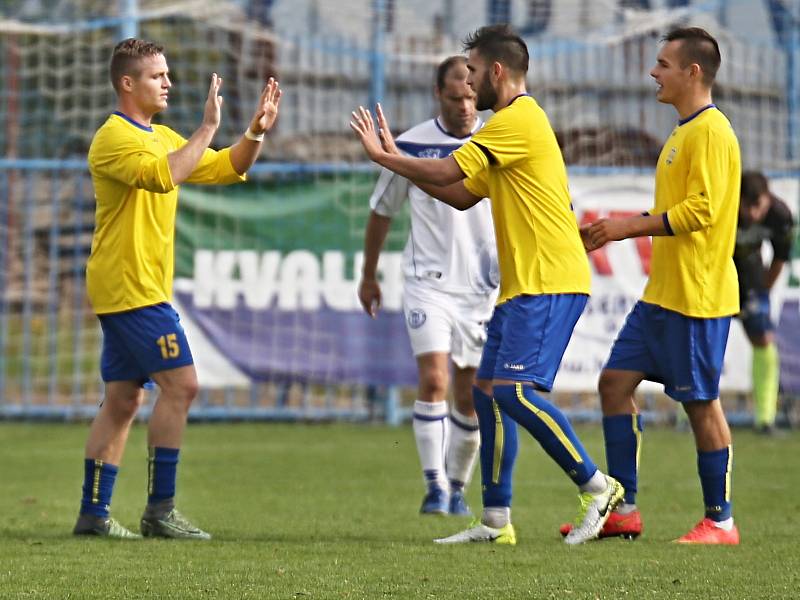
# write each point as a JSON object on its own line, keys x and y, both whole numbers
{"x": 549, "y": 426}
{"x": 623, "y": 436}
{"x": 715, "y": 478}
{"x": 498, "y": 450}
{"x": 98, "y": 485}
{"x": 162, "y": 467}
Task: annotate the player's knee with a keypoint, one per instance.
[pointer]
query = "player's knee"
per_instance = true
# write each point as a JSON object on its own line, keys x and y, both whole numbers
{"x": 433, "y": 384}
{"x": 125, "y": 406}
{"x": 612, "y": 392}
{"x": 606, "y": 385}
{"x": 189, "y": 390}
{"x": 762, "y": 340}
{"x": 182, "y": 393}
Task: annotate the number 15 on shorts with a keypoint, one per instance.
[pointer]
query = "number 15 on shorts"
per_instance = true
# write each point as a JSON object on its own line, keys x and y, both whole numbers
{"x": 169, "y": 346}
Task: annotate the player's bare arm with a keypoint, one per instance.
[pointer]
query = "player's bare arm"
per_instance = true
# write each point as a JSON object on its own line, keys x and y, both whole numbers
{"x": 183, "y": 161}
{"x": 599, "y": 233}
{"x": 369, "y": 290}
{"x": 438, "y": 171}
{"x": 246, "y": 150}
{"x": 455, "y": 194}
{"x": 774, "y": 271}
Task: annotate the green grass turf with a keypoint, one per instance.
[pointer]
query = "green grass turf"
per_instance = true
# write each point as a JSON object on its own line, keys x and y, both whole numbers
{"x": 330, "y": 511}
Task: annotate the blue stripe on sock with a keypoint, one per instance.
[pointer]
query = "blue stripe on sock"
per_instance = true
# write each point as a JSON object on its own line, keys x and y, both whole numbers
{"x": 429, "y": 417}
{"x": 98, "y": 486}
{"x": 714, "y": 470}
{"x": 545, "y": 422}
{"x": 464, "y": 426}
{"x": 622, "y": 448}
{"x": 496, "y": 470}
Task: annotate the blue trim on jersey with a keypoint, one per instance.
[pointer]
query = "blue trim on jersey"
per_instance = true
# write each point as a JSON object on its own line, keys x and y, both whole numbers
{"x": 132, "y": 122}
{"x": 448, "y": 134}
{"x": 693, "y": 115}
{"x": 667, "y": 226}
{"x": 419, "y": 150}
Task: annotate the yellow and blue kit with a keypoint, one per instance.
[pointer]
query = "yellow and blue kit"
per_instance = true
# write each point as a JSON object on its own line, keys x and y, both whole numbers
{"x": 697, "y": 191}
{"x": 130, "y": 268}
{"x": 544, "y": 285}
{"x": 515, "y": 160}
{"x": 132, "y": 259}
{"x": 677, "y": 333}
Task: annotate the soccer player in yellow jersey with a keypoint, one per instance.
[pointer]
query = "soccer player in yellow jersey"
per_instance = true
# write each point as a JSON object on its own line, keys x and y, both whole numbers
{"x": 544, "y": 277}
{"x": 677, "y": 333}
{"x": 136, "y": 169}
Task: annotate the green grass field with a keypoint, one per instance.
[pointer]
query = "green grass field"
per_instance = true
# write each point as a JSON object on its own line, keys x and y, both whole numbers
{"x": 330, "y": 511}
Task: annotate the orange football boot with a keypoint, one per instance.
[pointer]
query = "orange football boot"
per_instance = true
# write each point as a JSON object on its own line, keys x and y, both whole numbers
{"x": 705, "y": 532}
{"x": 627, "y": 526}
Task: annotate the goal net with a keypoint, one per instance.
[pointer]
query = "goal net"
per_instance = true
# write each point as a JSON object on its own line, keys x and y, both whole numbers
{"x": 266, "y": 272}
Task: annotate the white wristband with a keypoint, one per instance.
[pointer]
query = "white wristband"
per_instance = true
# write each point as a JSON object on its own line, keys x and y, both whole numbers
{"x": 253, "y": 136}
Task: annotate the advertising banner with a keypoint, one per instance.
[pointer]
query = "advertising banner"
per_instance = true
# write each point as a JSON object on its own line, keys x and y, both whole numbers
{"x": 266, "y": 284}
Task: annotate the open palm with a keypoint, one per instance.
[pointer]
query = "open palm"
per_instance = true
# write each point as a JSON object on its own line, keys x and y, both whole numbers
{"x": 267, "y": 110}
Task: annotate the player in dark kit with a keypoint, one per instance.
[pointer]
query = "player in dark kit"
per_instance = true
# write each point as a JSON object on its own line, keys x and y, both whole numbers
{"x": 762, "y": 217}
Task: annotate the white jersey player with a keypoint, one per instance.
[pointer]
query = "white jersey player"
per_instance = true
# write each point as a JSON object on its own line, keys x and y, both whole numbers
{"x": 451, "y": 279}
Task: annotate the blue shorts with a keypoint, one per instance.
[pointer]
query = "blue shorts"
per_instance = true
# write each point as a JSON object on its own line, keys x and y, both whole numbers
{"x": 683, "y": 353}
{"x": 527, "y": 337}
{"x": 139, "y": 342}
{"x": 755, "y": 314}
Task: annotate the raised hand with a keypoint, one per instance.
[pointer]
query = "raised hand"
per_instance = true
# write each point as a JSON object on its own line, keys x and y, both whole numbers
{"x": 384, "y": 132}
{"x": 267, "y": 109}
{"x": 212, "y": 113}
{"x": 364, "y": 127}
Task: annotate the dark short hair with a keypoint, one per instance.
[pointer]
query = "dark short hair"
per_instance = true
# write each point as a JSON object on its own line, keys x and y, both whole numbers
{"x": 697, "y": 46}
{"x": 753, "y": 185}
{"x": 126, "y": 56}
{"x": 499, "y": 43}
{"x": 444, "y": 69}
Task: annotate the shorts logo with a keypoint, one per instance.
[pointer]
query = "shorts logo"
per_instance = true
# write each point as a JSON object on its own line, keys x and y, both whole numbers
{"x": 416, "y": 318}
{"x": 514, "y": 367}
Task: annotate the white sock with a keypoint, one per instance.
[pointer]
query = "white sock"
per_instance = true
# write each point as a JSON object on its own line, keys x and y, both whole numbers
{"x": 430, "y": 431}
{"x": 596, "y": 484}
{"x": 462, "y": 449}
{"x": 726, "y": 525}
{"x": 625, "y": 509}
{"x": 496, "y": 516}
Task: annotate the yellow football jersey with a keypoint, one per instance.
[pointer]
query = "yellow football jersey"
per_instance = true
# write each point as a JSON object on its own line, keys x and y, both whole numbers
{"x": 515, "y": 161}
{"x": 132, "y": 259}
{"x": 697, "y": 189}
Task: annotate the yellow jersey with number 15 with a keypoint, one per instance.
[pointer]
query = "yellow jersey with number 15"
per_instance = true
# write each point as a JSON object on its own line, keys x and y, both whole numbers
{"x": 516, "y": 162}
{"x": 697, "y": 191}
{"x": 132, "y": 259}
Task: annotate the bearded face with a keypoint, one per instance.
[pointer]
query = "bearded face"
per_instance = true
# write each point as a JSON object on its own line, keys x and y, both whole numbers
{"x": 486, "y": 95}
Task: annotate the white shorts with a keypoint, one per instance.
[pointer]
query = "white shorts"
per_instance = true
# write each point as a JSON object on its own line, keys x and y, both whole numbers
{"x": 445, "y": 322}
